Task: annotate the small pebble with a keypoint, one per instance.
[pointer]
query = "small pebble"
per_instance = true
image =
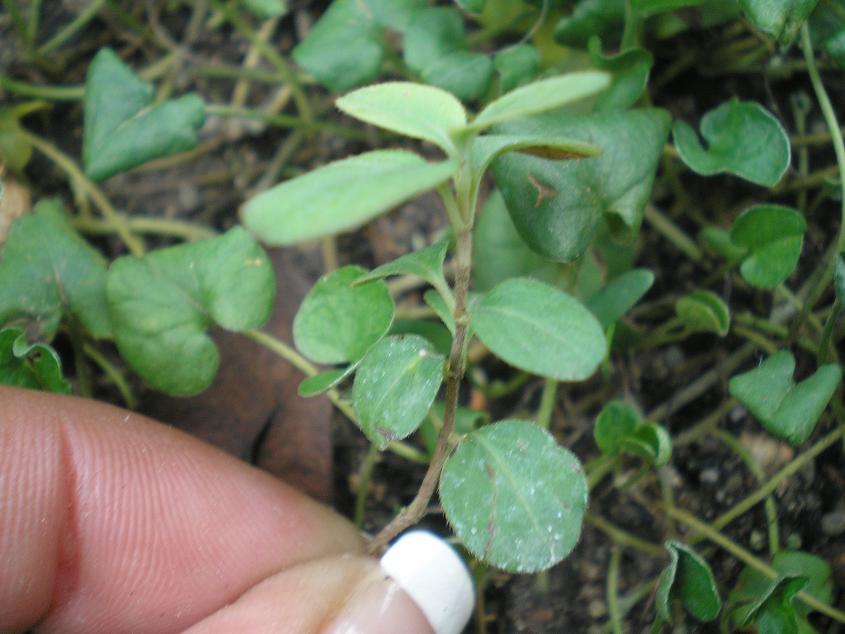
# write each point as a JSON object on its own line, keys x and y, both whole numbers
{"x": 833, "y": 523}
{"x": 597, "y": 609}
{"x": 709, "y": 476}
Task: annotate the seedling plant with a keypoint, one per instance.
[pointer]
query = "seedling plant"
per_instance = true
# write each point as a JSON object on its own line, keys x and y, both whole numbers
{"x": 545, "y": 181}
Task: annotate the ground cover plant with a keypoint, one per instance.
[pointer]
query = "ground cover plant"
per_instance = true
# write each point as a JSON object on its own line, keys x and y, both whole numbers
{"x": 607, "y": 355}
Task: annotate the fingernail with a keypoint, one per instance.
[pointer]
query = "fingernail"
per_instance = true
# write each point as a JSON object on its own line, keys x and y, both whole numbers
{"x": 425, "y": 587}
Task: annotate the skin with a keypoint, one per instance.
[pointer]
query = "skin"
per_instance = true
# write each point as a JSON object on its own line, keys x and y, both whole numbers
{"x": 111, "y": 522}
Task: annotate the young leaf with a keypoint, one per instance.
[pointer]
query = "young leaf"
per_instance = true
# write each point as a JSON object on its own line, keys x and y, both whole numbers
{"x": 540, "y": 329}
{"x": 426, "y": 264}
{"x": 436, "y": 49}
{"x": 395, "y": 386}
{"x": 516, "y": 65}
{"x": 415, "y": 110}
{"x": 616, "y": 420}
{"x": 785, "y": 409}
{"x": 338, "y": 321}
{"x": 162, "y": 304}
{"x": 630, "y": 70}
{"x": 690, "y": 579}
{"x": 340, "y": 196}
{"x": 753, "y": 584}
{"x": 123, "y": 128}
{"x": 704, "y": 311}
{"x": 499, "y": 253}
{"x": 540, "y": 96}
{"x": 773, "y": 236}
{"x": 35, "y": 366}
{"x": 773, "y": 610}
{"x": 514, "y": 497}
{"x": 48, "y": 272}
{"x": 742, "y": 137}
{"x": 591, "y": 17}
{"x": 557, "y": 206}
{"x": 345, "y": 47}
{"x": 651, "y": 442}
{"x": 620, "y": 295}
{"x": 779, "y": 18}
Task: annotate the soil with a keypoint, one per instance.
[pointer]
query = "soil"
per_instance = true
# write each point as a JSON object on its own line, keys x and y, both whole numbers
{"x": 252, "y": 409}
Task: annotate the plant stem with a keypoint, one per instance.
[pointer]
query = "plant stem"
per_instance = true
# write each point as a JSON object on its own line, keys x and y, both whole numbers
{"x": 113, "y": 373}
{"x": 154, "y": 226}
{"x": 50, "y": 93}
{"x": 613, "y": 590}
{"x": 711, "y": 533}
{"x": 412, "y": 513}
{"x": 547, "y": 403}
{"x": 285, "y": 121}
{"x": 622, "y": 537}
{"x": 75, "y": 25}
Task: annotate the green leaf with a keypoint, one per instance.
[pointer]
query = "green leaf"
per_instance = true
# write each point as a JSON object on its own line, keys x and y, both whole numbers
{"x": 704, "y": 311}
{"x": 514, "y": 497}
{"x": 630, "y": 70}
{"x": 591, "y": 17}
{"x": 466, "y": 420}
{"x": 35, "y": 366}
{"x": 785, "y": 409}
{"x": 690, "y": 579}
{"x": 338, "y": 321}
{"x": 265, "y": 9}
{"x": 499, "y": 253}
{"x": 753, "y": 584}
{"x": 773, "y": 610}
{"x": 436, "y": 302}
{"x": 345, "y": 47}
{"x": 123, "y": 127}
{"x": 648, "y": 8}
{"x": 540, "y": 329}
{"x": 742, "y": 137}
{"x": 14, "y": 152}
{"x": 773, "y": 235}
{"x": 516, "y": 65}
{"x": 427, "y": 264}
{"x": 540, "y": 96}
{"x": 162, "y": 304}
{"x": 779, "y": 18}
{"x": 48, "y": 272}
{"x": 616, "y": 420}
{"x": 435, "y": 48}
{"x": 418, "y": 111}
{"x": 719, "y": 242}
{"x": 827, "y": 30}
{"x": 395, "y": 386}
{"x": 434, "y": 331}
{"x": 620, "y": 295}
{"x": 651, "y": 442}
{"x": 471, "y": 6}
{"x": 557, "y": 207}
{"x": 340, "y": 196}
{"x": 324, "y": 381}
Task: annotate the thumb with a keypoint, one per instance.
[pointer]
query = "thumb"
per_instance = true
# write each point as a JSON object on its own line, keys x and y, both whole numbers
{"x": 420, "y": 587}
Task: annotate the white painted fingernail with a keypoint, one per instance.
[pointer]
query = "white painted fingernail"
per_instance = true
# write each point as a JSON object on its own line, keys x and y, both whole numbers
{"x": 435, "y": 577}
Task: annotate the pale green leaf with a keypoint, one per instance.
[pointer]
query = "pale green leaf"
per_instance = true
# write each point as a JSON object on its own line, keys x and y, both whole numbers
{"x": 340, "y": 196}
{"x": 395, "y": 386}
{"x": 162, "y": 304}
{"x": 540, "y": 329}
{"x": 514, "y": 497}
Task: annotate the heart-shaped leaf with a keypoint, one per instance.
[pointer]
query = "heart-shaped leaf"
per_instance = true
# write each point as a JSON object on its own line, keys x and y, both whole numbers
{"x": 620, "y": 429}
{"x": 742, "y": 137}
{"x": 540, "y": 96}
{"x": 395, "y": 386}
{"x": 514, "y": 497}
{"x": 123, "y": 127}
{"x": 415, "y": 110}
{"x": 690, "y": 579}
{"x": 339, "y": 321}
{"x": 785, "y": 409}
{"x": 340, "y": 196}
{"x": 620, "y": 295}
{"x": 630, "y": 70}
{"x": 704, "y": 311}
{"x": 779, "y": 18}
{"x": 540, "y": 329}
{"x": 557, "y": 206}
{"x": 345, "y": 48}
{"x": 48, "y": 272}
{"x": 36, "y": 366}
{"x": 773, "y": 236}
{"x": 161, "y": 305}
{"x": 773, "y": 610}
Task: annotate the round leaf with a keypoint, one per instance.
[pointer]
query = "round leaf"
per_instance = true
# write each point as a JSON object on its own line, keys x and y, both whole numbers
{"x": 395, "y": 386}
{"x": 340, "y": 196}
{"x": 616, "y": 420}
{"x": 514, "y": 497}
{"x": 338, "y": 321}
{"x": 773, "y": 235}
{"x": 540, "y": 329}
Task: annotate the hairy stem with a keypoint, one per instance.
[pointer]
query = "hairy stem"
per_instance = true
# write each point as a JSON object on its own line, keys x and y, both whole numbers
{"x": 412, "y": 513}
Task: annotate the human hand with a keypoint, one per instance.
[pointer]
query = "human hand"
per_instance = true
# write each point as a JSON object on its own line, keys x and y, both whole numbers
{"x": 110, "y": 522}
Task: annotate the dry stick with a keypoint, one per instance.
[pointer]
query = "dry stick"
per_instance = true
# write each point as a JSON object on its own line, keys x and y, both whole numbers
{"x": 454, "y": 373}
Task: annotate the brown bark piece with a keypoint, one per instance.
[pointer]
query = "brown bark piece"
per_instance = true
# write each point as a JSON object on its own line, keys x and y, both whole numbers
{"x": 252, "y": 409}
